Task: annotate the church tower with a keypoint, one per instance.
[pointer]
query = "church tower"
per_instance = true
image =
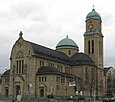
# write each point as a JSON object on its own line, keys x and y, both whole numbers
{"x": 93, "y": 46}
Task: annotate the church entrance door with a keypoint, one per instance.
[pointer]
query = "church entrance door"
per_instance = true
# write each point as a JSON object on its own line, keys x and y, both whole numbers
{"x": 17, "y": 90}
{"x": 6, "y": 92}
{"x": 42, "y": 92}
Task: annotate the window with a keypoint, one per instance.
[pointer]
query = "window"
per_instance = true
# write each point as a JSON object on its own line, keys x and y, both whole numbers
{"x": 92, "y": 46}
{"x": 41, "y": 63}
{"x": 69, "y": 52}
{"x": 29, "y": 52}
{"x": 100, "y": 47}
{"x": 90, "y": 21}
{"x": 57, "y": 79}
{"x": 59, "y": 67}
{"x": 50, "y": 64}
{"x": 89, "y": 47}
{"x": 6, "y": 80}
{"x": 42, "y": 79}
{"x": 62, "y": 80}
{"x": 67, "y": 70}
{"x": 86, "y": 75}
{"x": 39, "y": 78}
{"x": 20, "y": 66}
{"x": 17, "y": 66}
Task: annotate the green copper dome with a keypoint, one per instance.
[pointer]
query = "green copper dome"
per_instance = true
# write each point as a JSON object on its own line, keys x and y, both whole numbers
{"x": 93, "y": 14}
{"x": 67, "y": 43}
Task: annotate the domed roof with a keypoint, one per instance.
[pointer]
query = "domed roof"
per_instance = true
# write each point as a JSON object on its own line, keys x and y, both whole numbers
{"x": 82, "y": 58}
{"x": 6, "y": 73}
{"x": 47, "y": 70}
{"x": 93, "y": 14}
{"x": 67, "y": 43}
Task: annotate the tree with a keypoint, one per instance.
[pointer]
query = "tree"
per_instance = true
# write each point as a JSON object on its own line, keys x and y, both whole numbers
{"x": 109, "y": 85}
{"x": 90, "y": 80}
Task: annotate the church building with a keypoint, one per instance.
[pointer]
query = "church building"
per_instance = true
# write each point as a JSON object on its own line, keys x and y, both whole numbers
{"x": 38, "y": 71}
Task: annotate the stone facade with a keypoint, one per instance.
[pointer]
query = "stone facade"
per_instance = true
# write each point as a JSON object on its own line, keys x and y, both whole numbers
{"x": 37, "y": 71}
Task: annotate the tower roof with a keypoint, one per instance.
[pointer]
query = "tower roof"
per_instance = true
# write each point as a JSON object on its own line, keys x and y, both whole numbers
{"x": 67, "y": 43}
{"x": 93, "y": 14}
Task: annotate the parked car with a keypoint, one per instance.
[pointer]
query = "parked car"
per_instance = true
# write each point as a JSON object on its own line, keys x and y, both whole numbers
{"x": 107, "y": 99}
{"x": 113, "y": 99}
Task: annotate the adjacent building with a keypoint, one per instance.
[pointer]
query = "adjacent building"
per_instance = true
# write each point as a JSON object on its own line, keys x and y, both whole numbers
{"x": 109, "y": 81}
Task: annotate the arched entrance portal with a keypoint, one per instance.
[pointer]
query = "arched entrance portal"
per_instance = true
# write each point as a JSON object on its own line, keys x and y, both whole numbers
{"x": 7, "y": 91}
{"x": 41, "y": 91}
{"x": 17, "y": 90}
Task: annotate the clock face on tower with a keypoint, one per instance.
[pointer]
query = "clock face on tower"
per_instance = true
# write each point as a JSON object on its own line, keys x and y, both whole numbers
{"x": 90, "y": 26}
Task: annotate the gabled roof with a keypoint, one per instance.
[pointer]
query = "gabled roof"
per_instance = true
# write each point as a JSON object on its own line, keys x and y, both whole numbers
{"x": 50, "y": 54}
{"x": 106, "y": 69}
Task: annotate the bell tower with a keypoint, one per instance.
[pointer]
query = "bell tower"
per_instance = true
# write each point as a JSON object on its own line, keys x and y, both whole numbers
{"x": 93, "y": 46}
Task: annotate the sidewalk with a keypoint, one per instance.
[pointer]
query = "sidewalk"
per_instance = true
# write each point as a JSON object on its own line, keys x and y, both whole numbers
{"x": 5, "y": 101}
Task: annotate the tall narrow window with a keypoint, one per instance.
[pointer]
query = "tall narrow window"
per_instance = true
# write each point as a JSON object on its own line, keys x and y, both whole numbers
{"x": 92, "y": 46}
{"x": 69, "y": 52}
{"x": 100, "y": 47}
{"x": 44, "y": 78}
{"x": 86, "y": 75}
{"x": 41, "y": 63}
{"x": 29, "y": 52}
{"x": 20, "y": 66}
{"x": 89, "y": 47}
{"x": 17, "y": 66}
{"x": 39, "y": 78}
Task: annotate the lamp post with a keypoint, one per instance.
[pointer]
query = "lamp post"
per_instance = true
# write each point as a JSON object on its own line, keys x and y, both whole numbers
{"x": 13, "y": 84}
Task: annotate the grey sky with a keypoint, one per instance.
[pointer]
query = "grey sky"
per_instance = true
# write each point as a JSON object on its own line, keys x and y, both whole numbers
{"x": 46, "y": 22}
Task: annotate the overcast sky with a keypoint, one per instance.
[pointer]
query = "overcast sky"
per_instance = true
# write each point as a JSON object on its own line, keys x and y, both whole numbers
{"x": 46, "y": 22}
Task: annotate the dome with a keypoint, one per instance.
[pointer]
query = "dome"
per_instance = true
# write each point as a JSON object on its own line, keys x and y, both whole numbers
{"x": 93, "y": 14}
{"x": 82, "y": 58}
{"x": 67, "y": 43}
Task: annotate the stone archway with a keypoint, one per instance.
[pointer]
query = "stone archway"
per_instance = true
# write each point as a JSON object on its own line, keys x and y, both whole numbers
{"x": 19, "y": 86}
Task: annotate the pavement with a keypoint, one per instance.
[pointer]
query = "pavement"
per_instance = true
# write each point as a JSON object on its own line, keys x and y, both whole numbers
{"x": 4, "y": 101}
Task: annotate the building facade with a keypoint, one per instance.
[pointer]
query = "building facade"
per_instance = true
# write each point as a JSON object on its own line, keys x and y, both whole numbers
{"x": 38, "y": 71}
{"x": 109, "y": 81}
